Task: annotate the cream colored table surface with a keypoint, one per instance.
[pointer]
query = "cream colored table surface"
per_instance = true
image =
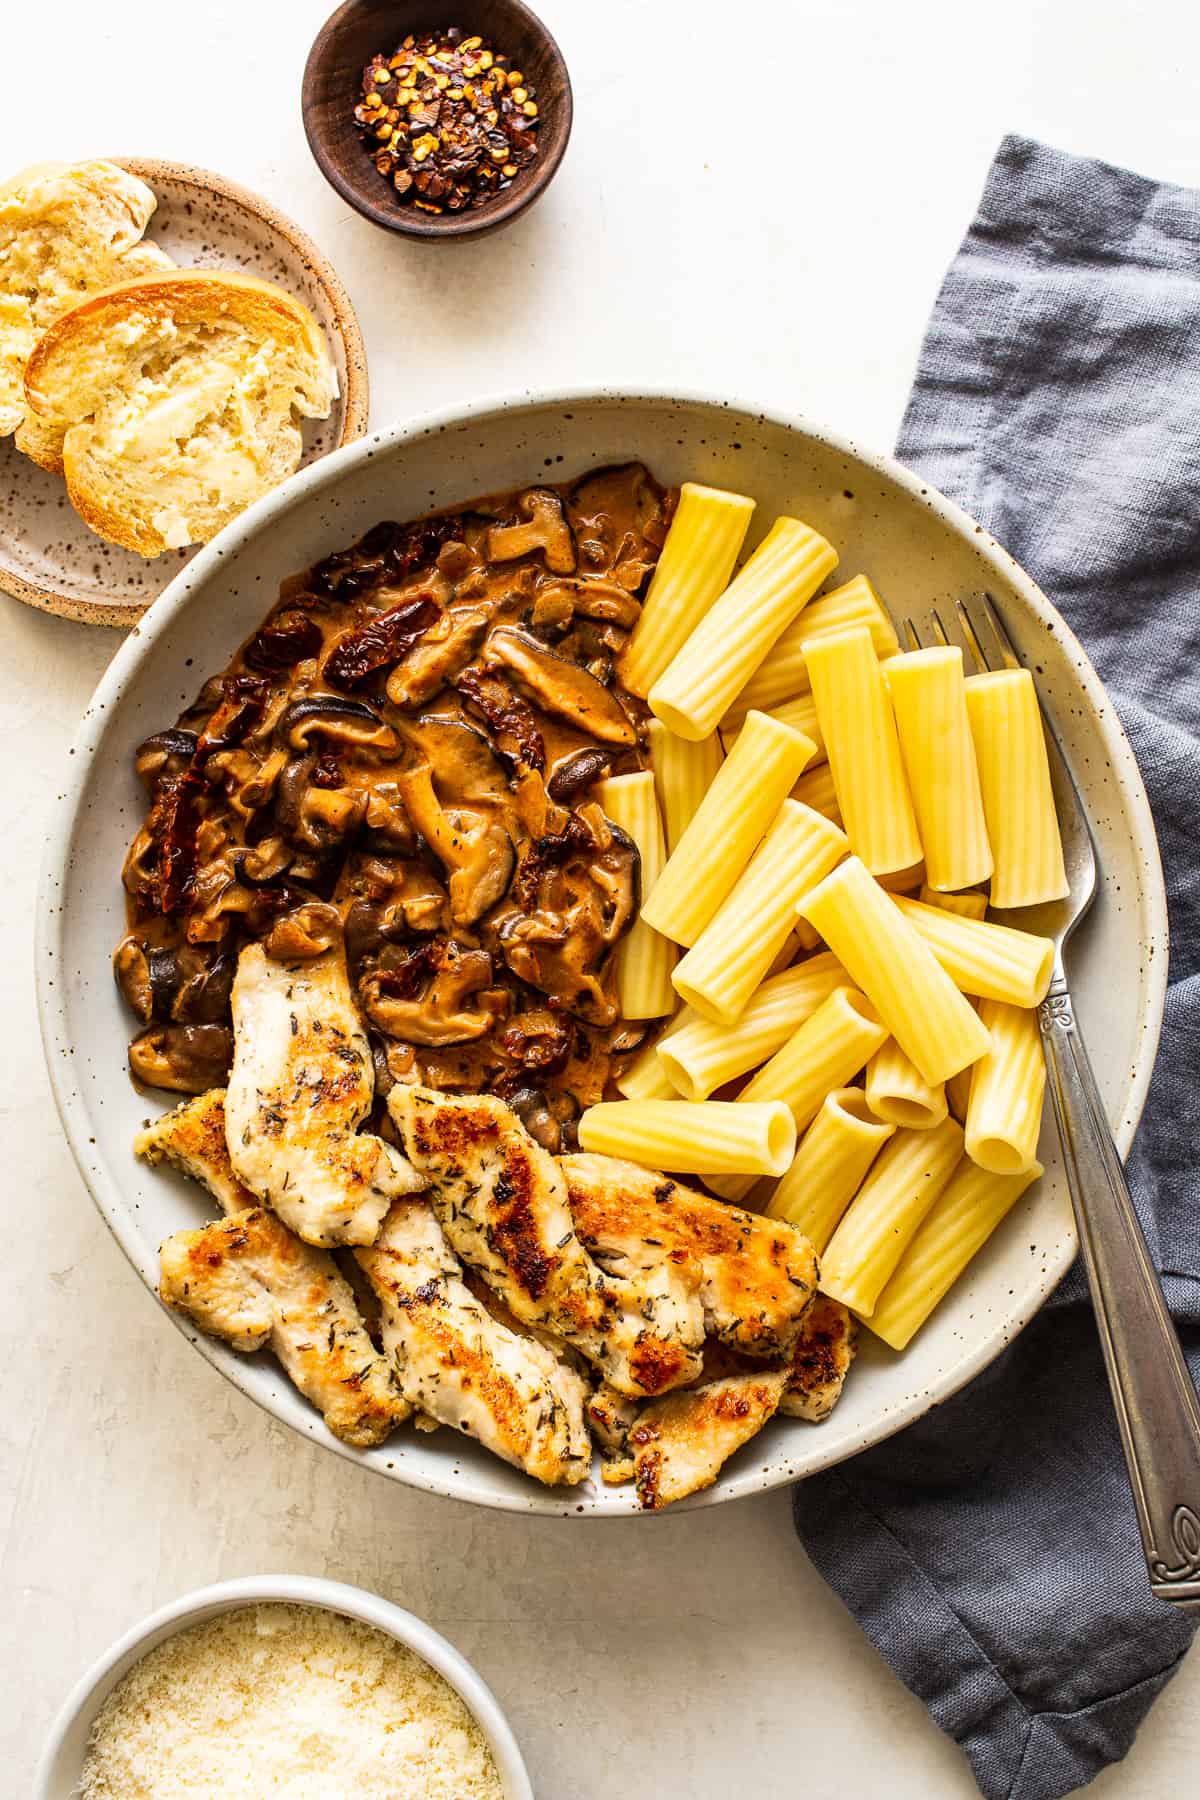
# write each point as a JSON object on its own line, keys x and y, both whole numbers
{"x": 687, "y": 240}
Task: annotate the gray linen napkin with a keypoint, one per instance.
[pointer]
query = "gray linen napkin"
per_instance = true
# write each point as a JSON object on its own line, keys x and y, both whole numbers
{"x": 991, "y": 1551}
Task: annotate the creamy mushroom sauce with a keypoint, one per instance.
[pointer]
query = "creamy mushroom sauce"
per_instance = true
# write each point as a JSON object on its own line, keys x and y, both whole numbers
{"x": 405, "y": 752}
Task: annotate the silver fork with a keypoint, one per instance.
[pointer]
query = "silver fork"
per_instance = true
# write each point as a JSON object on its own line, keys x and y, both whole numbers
{"x": 1156, "y": 1405}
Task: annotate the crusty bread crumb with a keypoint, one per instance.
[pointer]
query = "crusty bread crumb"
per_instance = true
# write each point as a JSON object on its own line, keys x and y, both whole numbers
{"x": 178, "y": 399}
{"x": 66, "y": 230}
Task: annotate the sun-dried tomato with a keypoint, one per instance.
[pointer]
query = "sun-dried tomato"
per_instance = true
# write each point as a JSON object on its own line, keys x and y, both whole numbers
{"x": 284, "y": 641}
{"x": 243, "y": 702}
{"x": 410, "y": 967}
{"x": 510, "y": 718}
{"x": 379, "y": 643}
{"x": 172, "y": 824}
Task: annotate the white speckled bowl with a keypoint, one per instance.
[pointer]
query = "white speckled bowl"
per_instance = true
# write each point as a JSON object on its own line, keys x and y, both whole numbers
{"x": 48, "y": 557}
{"x": 58, "y": 1772}
{"x": 884, "y": 521}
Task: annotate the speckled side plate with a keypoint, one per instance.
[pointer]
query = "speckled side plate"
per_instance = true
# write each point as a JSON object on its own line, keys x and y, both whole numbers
{"x": 914, "y": 544}
{"x": 48, "y": 557}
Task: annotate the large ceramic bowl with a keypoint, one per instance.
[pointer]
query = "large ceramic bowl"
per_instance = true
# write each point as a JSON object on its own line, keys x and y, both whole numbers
{"x": 61, "y": 1765}
{"x": 911, "y": 541}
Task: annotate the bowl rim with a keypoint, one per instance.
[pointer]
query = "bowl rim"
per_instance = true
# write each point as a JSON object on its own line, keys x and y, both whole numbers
{"x": 436, "y": 227}
{"x": 296, "y": 492}
{"x": 297, "y": 1590}
{"x": 356, "y": 397}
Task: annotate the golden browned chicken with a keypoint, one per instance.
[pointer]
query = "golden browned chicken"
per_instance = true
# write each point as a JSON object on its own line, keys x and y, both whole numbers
{"x": 461, "y": 1366}
{"x": 502, "y": 1202}
{"x": 820, "y": 1362}
{"x": 301, "y": 1084}
{"x": 681, "y": 1442}
{"x": 251, "y": 1281}
{"x": 756, "y": 1278}
{"x": 262, "y": 1286}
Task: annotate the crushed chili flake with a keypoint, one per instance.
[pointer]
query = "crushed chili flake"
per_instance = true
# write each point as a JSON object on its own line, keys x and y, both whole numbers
{"x": 447, "y": 120}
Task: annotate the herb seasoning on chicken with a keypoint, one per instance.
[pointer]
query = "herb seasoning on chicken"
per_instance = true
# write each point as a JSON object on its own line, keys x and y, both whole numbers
{"x": 406, "y": 750}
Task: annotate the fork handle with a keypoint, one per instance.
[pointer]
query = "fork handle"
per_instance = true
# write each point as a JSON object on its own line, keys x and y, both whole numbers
{"x": 1157, "y": 1410}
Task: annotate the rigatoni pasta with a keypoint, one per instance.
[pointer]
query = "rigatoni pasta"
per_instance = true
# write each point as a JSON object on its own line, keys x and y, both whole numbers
{"x": 732, "y": 639}
{"x": 968, "y": 906}
{"x": 701, "y": 1057}
{"x": 882, "y": 1219}
{"x": 735, "y": 950}
{"x": 711, "y": 1137}
{"x": 815, "y": 788}
{"x": 800, "y": 714}
{"x": 955, "y": 1229}
{"x": 859, "y": 731}
{"x": 930, "y": 706}
{"x": 829, "y": 1166}
{"x": 693, "y": 570}
{"x": 644, "y": 958}
{"x": 1018, "y": 800}
{"x": 898, "y": 1092}
{"x": 683, "y": 774}
{"x": 726, "y": 828}
{"x": 645, "y": 1078}
{"x": 785, "y": 671}
{"x": 896, "y": 969}
{"x": 1004, "y": 1110}
{"x": 991, "y": 961}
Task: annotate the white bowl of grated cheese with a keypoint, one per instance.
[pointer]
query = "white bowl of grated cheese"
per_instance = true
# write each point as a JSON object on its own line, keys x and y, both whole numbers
{"x": 305, "y": 1697}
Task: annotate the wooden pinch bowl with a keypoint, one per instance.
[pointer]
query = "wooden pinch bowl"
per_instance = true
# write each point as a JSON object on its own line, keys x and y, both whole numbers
{"x": 361, "y": 29}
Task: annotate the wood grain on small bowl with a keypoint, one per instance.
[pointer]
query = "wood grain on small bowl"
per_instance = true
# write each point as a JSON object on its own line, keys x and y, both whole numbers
{"x": 48, "y": 557}
{"x": 362, "y": 29}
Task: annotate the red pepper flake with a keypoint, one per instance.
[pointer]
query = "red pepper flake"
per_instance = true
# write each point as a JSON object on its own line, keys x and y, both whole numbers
{"x": 447, "y": 120}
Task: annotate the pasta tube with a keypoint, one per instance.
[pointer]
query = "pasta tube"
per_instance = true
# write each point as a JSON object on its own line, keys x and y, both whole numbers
{"x": 815, "y": 788}
{"x": 683, "y": 774}
{"x": 929, "y": 702}
{"x": 898, "y": 1092}
{"x": 645, "y": 1078}
{"x": 702, "y": 1056}
{"x": 644, "y": 959}
{"x": 955, "y": 1229}
{"x": 716, "y": 1136}
{"x": 1004, "y": 1112}
{"x": 883, "y": 1217}
{"x": 733, "y": 638}
{"x": 692, "y": 571}
{"x": 836, "y": 1151}
{"x": 728, "y": 826}
{"x": 800, "y": 714}
{"x": 968, "y": 906}
{"x": 1018, "y": 800}
{"x": 786, "y": 671}
{"x": 737, "y": 947}
{"x": 825, "y": 1052}
{"x": 991, "y": 961}
{"x": 917, "y": 1001}
{"x": 864, "y": 751}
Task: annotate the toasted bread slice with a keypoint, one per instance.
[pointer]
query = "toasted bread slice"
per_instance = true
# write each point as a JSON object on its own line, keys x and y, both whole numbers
{"x": 179, "y": 399}
{"x": 66, "y": 230}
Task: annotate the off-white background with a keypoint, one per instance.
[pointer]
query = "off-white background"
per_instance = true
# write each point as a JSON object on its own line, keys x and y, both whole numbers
{"x": 766, "y": 214}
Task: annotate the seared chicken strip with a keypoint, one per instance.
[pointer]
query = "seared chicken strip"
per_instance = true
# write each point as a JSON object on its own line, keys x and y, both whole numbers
{"x": 756, "y": 1277}
{"x": 301, "y": 1083}
{"x": 681, "y": 1443}
{"x": 261, "y": 1285}
{"x": 251, "y": 1281}
{"x": 192, "y": 1139}
{"x": 823, "y": 1354}
{"x": 612, "y": 1417}
{"x": 502, "y": 1202}
{"x": 459, "y": 1365}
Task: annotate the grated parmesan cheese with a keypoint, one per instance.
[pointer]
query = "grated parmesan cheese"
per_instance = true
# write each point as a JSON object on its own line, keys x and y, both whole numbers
{"x": 289, "y": 1702}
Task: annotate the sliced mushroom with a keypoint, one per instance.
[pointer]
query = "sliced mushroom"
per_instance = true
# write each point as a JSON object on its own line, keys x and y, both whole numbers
{"x": 576, "y": 772}
{"x": 263, "y": 863}
{"x": 594, "y": 598}
{"x": 387, "y": 819}
{"x": 544, "y": 528}
{"x": 307, "y": 931}
{"x": 447, "y": 647}
{"x": 439, "y": 1016}
{"x": 533, "y": 1110}
{"x": 342, "y": 720}
{"x": 186, "y": 1059}
{"x": 561, "y": 687}
{"x": 329, "y": 816}
{"x": 465, "y": 765}
{"x": 189, "y": 985}
{"x": 166, "y": 753}
{"x": 476, "y": 850}
{"x": 131, "y": 966}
